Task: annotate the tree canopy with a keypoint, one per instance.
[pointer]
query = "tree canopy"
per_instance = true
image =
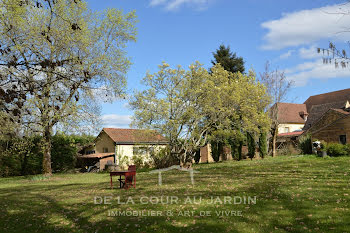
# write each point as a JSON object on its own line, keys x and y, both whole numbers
{"x": 56, "y": 57}
{"x": 186, "y": 105}
{"x": 228, "y": 60}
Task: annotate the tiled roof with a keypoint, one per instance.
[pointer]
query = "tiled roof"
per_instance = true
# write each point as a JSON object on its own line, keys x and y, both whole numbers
{"x": 317, "y": 112}
{"x": 330, "y": 97}
{"x": 97, "y": 155}
{"x": 290, "y": 134}
{"x": 290, "y": 113}
{"x": 132, "y": 136}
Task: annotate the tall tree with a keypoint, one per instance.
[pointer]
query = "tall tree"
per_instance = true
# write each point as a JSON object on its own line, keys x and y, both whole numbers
{"x": 251, "y": 145}
{"x": 277, "y": 86}
{"x": 228, "y": 60}
{"x": 54, "y": 54}
{"x": 263, "y": 147}
{"x": 186, "y": 105}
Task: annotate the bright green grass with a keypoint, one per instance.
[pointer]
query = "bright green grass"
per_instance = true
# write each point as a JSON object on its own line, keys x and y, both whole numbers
{"x": 293, "y": 194}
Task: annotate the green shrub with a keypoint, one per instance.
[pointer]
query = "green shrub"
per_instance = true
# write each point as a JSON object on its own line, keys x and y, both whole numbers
{"x": 251, "y": 145}
{"x": 236, "y": 147}
{"x": 263, "y": 144}
{"x": 305, "y": 144}
{"x": 216, "y": 149}
{"x": 38, "y": 178}
{"x": 140, "y": 162}
{"x": 163, "y": 159}
{"x": 63, "y": 153}
{"x": 288, "y": 150}
{"x": 23, "y": 156}
{"x": 20, "y": 156}
{"x": 336, "y": 149}
{"x": 347, "y": 148}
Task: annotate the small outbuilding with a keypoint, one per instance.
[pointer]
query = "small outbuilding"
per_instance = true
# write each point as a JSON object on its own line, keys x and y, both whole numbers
{"x": 120, "y": 146}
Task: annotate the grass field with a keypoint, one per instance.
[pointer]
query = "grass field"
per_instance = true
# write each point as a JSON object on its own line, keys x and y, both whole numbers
{"x": 293, "y": 194}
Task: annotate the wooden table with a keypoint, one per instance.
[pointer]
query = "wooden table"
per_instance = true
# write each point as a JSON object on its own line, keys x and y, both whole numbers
{"x": 125, "y": 174}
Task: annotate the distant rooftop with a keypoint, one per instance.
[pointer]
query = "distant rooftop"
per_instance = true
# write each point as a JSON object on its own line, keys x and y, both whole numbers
{"x": 132, "y": 136}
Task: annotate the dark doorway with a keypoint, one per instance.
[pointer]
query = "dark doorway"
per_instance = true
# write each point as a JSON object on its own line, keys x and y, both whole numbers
{"x": 342, "y": 139}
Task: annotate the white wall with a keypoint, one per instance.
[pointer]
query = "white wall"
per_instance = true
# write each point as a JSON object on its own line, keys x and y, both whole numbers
{"x": 124, "y": 153}
{"x": 292, "y": 127}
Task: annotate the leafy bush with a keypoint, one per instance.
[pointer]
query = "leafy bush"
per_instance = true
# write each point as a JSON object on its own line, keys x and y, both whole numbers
{"x": 216, "y": 148}
{"x": 63, "y": 152}
{"x": 263, "y": 144}
{"x": 140, "y": 161}
{"x": 23, "y": 156}
{"x": 336, "y": 149}
{"x": 251, "y": 145}
{"x": 20, "y": 156}
{"x": 162, "y": 158}
{"x": 288, "y": 150}
{"x": 305, "y": 144}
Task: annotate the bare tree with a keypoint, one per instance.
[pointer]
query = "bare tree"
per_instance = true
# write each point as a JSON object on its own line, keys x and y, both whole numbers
{"x": 277, "y": 86}
{"x": 333, "y": 54}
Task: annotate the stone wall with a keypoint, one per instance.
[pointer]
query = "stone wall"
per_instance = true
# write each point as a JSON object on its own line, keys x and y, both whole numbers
{"x": 332, "y": 132}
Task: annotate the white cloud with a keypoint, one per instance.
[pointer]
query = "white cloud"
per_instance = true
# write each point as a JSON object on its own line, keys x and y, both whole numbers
{"x": 116, "y": 121}
{"x": 287, "y": 54}
{"x": 307, "y": 26}
{"x": 171, "y": 5}
{"x": 157, "y": 2}
{"x": 315, "y": 70}
{"x": 309, "y": 53}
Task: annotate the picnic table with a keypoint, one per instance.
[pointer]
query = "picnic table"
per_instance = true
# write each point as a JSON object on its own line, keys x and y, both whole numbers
{"x": 129, "y": 177}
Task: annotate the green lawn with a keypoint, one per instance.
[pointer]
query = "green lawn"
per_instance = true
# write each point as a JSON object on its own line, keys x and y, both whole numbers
{"x": 293, "y": 194}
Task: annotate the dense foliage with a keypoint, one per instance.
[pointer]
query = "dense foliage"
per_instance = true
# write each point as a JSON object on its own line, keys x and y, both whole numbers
{"x": 336, "y": 149}
{"x": 228, "y": 60}
{"x": 263, "y": 147}
{"x": 163, "y": 158}
{"x": 185, "y": 105}
{"x": 56, "y": 58}
{"x": 23, "y": 156}
{"x": 305, "y": 144}
{"x": 251, "y": 145}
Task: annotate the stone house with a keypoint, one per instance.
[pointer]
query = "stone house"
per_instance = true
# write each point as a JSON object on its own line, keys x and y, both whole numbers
{"x": 329, "y": 116}
{"x": 332, "y": 126}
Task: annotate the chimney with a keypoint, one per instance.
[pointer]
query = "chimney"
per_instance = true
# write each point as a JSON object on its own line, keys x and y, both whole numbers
{"x": 347, "y": 106}
{"x": 304, "y": 115}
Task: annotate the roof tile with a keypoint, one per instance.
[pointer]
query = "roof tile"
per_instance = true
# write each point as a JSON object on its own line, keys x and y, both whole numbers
{"x": 131, "y": 136}
{"x": 290, "y": 113}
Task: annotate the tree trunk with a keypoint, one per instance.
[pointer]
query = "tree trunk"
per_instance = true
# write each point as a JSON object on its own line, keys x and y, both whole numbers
{"x": 47, "y": 152}
{"x": 274, "y": 140}
{"x": 240, "y": 150}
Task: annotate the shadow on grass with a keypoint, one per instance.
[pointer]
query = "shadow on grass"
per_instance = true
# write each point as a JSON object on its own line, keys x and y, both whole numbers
{"x": 289, "y": 199}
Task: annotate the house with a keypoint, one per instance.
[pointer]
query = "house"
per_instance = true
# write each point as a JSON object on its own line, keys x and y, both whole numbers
{"x": 329, "y": 116}
{"x": 291, "y": 117}
{"x": 332, "y": 126}
{"x": 119, "y": 146}
{"x": 318, "y": 105}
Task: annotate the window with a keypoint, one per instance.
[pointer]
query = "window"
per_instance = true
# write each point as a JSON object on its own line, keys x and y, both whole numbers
{"x": 286, "y": 129}
{"x": 105, "y": 149}
{"x": 342, "y": 139}
{"x": 142, "y": 150}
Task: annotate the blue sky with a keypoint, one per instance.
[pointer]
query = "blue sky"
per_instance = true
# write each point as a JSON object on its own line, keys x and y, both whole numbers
{"x": 286, "y": 33}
